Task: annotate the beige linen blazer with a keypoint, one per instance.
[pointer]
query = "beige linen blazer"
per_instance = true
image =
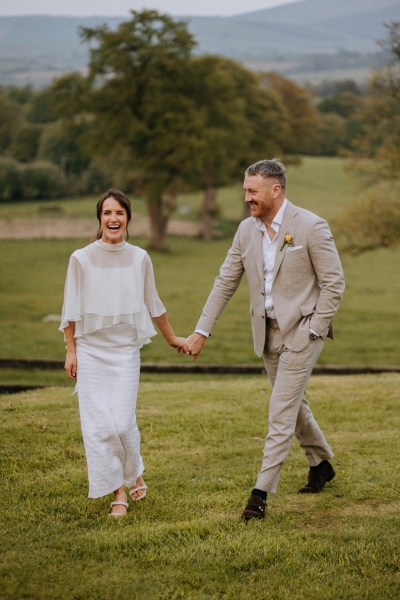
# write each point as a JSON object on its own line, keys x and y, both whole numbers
{"x": 308, "y": 281}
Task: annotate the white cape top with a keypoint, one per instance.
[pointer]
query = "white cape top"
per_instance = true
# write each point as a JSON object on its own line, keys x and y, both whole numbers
{"x": 108, "y": 284}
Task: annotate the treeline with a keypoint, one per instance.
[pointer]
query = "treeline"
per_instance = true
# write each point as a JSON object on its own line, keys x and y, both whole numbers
{"x": 152, "y": 118}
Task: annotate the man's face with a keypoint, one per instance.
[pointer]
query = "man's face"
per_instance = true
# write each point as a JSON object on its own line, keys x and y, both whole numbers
{"x": 261, "y": 195}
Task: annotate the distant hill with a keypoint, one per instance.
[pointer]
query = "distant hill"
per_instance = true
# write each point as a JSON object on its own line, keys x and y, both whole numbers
{"x": 305, "y": 40}
{"x": 299, "y": 28}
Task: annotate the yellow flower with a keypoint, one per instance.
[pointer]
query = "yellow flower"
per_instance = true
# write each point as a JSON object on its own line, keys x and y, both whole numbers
{"x": 288, "y": 240}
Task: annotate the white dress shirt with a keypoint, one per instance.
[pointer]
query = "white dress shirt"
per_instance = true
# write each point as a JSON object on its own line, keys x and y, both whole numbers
{"x": 269, "y": 252}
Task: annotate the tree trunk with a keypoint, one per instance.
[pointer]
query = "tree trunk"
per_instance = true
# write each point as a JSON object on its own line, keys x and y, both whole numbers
{"x": 160, "y": 207}
{"x": 208, "y": 212}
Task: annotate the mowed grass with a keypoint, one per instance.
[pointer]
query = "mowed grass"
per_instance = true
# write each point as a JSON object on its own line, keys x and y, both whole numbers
{"x": 367, "y": 326}
{"x": 33, "y": 272}
{"x": 202, "y": 440}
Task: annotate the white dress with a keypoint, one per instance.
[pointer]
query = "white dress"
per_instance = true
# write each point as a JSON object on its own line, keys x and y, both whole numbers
{"x": 110, "y": 294}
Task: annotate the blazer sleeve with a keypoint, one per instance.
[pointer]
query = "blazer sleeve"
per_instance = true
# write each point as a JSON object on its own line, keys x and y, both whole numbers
{"x": 327, "y": 266}
{"x": 225, "y": 285}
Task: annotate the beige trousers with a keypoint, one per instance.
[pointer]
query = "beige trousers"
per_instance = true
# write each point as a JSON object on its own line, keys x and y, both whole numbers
{"x": 289, "y": 412}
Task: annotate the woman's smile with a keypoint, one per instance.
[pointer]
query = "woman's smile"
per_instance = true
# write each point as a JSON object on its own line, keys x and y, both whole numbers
{"x": 113, "y": 221}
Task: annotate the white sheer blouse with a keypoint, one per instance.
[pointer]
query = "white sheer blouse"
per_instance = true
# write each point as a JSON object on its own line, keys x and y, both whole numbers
{"x": 108, "y": 284}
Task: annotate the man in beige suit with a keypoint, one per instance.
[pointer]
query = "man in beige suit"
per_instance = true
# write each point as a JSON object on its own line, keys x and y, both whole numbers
{"x": 296, "y": 284}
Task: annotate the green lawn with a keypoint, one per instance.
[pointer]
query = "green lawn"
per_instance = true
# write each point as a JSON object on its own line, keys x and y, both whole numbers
{"x": 201, "y": 441}
{"x": 366, "y": 328}
{"x": 318, "y": 183}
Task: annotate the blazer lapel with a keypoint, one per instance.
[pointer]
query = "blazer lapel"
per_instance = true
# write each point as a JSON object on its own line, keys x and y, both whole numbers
{"x": 289, "y": 225}
{"x": 257, "y": 243}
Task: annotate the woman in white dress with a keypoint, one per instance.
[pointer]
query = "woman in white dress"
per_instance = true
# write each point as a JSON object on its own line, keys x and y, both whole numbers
{"x": 110, "y": 301}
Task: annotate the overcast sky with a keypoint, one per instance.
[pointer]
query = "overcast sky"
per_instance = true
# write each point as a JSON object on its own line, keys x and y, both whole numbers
{"x": 122, "y": 7}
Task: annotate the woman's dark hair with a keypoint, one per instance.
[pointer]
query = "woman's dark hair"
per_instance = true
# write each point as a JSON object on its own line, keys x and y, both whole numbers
{"x": 121, "y": 199}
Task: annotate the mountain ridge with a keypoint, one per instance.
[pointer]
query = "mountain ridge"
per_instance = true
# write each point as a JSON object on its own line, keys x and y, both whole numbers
{"x": 50, "y": 45}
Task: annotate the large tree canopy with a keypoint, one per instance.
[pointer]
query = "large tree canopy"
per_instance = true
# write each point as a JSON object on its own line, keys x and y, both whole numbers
{"x": 176, "y": 120}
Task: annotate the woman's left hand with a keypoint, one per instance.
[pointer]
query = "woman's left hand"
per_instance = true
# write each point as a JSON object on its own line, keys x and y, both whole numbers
{"x": 180, "y": 345}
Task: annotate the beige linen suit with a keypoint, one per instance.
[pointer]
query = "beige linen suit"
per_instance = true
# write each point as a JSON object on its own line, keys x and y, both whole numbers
{"x": 307, "y": 287}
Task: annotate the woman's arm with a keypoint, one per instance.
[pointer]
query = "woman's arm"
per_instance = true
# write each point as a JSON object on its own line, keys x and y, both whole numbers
{"x": 70, "y": 364}
{"x": 167, "y": 332}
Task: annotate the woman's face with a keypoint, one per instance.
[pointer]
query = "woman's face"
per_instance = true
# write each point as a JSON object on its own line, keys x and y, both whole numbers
{"x": 113, "y": 221}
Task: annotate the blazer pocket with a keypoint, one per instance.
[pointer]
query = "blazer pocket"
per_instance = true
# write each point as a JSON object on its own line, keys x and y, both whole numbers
{"x": 307, "y": 310}
{"x": 296, "y": 262}
{"x": 294, "y": 248}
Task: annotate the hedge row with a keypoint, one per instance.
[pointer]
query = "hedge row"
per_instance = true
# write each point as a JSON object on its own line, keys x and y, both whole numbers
{"x": 28, "y": 181}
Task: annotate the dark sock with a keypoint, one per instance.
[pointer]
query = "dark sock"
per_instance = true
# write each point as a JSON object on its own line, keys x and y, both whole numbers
{"x": 260, "y": 493}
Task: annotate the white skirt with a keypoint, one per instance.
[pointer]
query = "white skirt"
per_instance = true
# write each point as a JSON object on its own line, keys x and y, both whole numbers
{"x": 107, "y": 385}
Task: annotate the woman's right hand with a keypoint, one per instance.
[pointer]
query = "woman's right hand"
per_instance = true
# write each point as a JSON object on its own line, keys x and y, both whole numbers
{"x": 70, "y": 365}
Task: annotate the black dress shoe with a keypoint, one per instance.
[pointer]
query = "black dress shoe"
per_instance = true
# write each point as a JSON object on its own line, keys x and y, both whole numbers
{"x": 255, "y": 508}
{"x": 317, "y": 477}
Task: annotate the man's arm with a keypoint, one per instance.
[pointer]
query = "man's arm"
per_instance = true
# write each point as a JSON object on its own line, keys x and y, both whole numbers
{"x": 225, "y": 285}
{"x": 223, "y": 289}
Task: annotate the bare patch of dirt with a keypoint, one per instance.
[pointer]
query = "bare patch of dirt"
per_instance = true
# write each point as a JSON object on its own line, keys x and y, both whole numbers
{"x": 20, "y": 229}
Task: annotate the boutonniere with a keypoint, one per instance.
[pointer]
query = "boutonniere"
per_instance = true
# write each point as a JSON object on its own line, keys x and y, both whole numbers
{"x": 288, "y": 240}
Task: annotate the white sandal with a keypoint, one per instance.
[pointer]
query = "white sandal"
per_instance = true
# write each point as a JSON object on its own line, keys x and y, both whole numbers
{"x": 138, "y": 489}
{"x": 111, "y": 514}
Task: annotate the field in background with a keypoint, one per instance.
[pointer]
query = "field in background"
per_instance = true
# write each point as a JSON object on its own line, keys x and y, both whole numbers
{"x": 201, "y": 443}
{"x": 367, "y": 326}
{"x": 320, "y": 184}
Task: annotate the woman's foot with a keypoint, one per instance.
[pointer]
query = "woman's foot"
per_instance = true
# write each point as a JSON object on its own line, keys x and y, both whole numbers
{"x": 138, "y": 491}
{"x": 119, "y": 505}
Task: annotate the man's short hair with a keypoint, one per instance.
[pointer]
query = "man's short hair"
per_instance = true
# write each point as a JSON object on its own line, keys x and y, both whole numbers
{"x": 269, "y": 168}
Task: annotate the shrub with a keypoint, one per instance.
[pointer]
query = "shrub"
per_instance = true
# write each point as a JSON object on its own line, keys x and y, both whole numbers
{"x": 10, "y": 180}
{"x": 41, "y": 180}
{"x": 26, "y": 143}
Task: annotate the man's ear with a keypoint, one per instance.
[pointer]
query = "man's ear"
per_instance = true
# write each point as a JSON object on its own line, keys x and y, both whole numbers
{"x": 276, "y": 188}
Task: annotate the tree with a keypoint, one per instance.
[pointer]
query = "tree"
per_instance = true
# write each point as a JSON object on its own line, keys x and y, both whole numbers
{"x": 40, "y": 107}
{"x": 240, "y": 121}
{"x": 177, "y": 122}
{"x": 26, "y": 142}
{"x": 62, "y": 144}
{"x": 374, "y": 221}
{"x": 302, "y": 121}
{"x": 10, "y": 119}
{"x": 138, "y": 98}
{"x": 332, "y": 132}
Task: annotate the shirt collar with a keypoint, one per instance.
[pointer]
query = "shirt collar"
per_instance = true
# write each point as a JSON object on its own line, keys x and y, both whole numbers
{"x": 277, "y": 220}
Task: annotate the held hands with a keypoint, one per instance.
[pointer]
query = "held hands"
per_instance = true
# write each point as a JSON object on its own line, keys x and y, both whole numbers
{"x": 195, "y": 343}
{"x": 180, "y": 345}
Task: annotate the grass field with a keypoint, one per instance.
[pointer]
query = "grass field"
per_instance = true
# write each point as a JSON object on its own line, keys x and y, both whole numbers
{"x": 201, "y": 441}
{"x": 320, "y": 184}
{"x": 366, "y": 328}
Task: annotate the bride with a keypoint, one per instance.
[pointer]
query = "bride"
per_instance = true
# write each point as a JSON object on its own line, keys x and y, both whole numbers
{"x": 110, "y": 304}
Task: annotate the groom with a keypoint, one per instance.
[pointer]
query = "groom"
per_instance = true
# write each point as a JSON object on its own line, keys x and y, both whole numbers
{"x": 296, "y": 284}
